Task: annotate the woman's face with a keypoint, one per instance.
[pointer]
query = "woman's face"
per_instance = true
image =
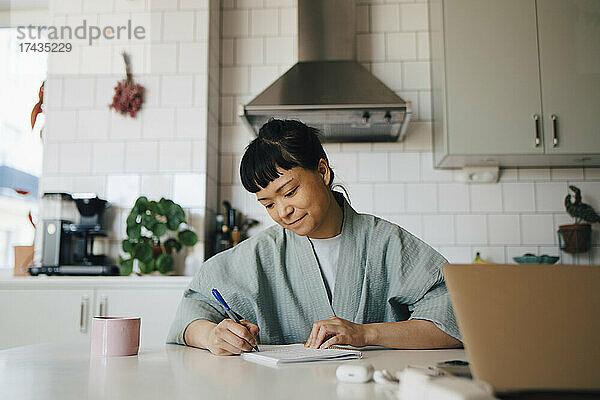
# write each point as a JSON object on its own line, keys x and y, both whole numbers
{"x": 299, "y": 199}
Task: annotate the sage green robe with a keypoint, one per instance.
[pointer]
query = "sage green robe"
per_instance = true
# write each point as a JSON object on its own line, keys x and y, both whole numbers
{"x": 384, "y": 274}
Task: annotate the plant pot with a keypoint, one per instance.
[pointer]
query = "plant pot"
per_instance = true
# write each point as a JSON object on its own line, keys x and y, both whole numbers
{"x": 157, "y": 251}
{"x": 575, "y": 238}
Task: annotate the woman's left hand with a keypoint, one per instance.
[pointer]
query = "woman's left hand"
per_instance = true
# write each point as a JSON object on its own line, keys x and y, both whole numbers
{"x": 334, "y": 330}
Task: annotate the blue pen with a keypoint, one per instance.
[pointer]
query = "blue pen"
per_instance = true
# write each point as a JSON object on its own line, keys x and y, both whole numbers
{"x": 232, "y": 314}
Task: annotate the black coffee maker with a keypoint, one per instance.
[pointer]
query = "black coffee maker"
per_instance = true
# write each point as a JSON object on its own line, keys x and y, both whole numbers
{"x": 68, "y": 248}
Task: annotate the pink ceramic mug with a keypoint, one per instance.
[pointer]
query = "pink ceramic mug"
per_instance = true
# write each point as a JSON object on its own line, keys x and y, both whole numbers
{"x": 115, "y": 336}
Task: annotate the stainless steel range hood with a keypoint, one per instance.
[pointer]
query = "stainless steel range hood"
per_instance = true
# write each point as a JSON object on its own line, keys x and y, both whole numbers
{"x": 327, "y": 88}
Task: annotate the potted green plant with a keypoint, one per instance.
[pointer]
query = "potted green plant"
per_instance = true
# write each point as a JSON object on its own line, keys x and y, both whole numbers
{"x": 154, "y": 229}
{"x": 576, "y": 238}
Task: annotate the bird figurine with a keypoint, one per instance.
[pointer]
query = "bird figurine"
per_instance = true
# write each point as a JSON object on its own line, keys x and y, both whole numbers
{"x": 578, "y": 210}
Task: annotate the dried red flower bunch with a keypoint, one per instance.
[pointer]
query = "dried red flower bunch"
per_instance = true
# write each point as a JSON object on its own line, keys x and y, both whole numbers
{"x": 128, "y": 97}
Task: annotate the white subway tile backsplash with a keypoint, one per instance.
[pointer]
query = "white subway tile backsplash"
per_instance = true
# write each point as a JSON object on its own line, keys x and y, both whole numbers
{"x": 95, "y": 6}
{"x": 361, "y": 197}
{"x": 453, "y": 198}
{"x": 564, "y": 174}
{"x": 51, "y": 158}
{"x": 162, "y": 5}
{"x": 370, "y": 47}
{"x": 156, "y": 186}
{"x": 537, "y": 229}
{"x": 234, "y": 139}
{"x": 429, "y": 174}
{"x": 189, "y": 190}
{"x": 413, "y": 17}
{"x": 416, "y": 75}
{"x": 191, "y": 122}
{"x": 178, "y": 26}
{"x": 234, "y": 80}
{"x": 235, "y": 23}
{"x": 158, "y": 123}
{"x": 249, "y": 51}
{"x": 423, "y": 46}
{"x": 518, "y": 197}
{"x": 227, "y": 50}
{"x": 402, "y": 46}
{"x": 424, "y": 106}
{"x": 421, "y": 198}
{"x": 162, "y": 58}
{"x": 61, "y": 125}
{"x": 362, "y": 19}
{"x": 494, "y": 254}
{"x": 227, "y": 169}
{"x": 176, "y": 91}
{"x": 201, "y": 90}
{"x": 122, "y": 190}
{"x": 193, "y": 57}
{"x": 418, "y": 134}
{"x": 175, "y": 156}
{"x": 385, "y": 18}
{"x": 389, "y": 73}
{"x": 288, "y": 21}
{"x": 590, "y": 193}
{"x": 249, "y": 3}
{"x": 438, "y": 229}
{"x": 550, "y": 196}
{"x": 504, "y": 229}
{"x": 93, "y": 124}
{"x": 75, "y": 158}
{"x": 96, "y": 60}
{"x": 405, "y": 167}
{"x": 124, "y": 127}
{"x": 108, "y": 157}
{"x": 486, "y": 197}
{"x": 194, "y": 4}
{"x": 471, "y": 229}
{"x": 389, "y": 198}
{"x": 141, "y": 157}
{"x": 344, "y": 166}
{"x": 456, "y": 255}
{"x": 372, "y": 167}
{"x": 280, "y": 50}
{"x": 78, "y": 92}
{"x": 90, "y": 184}
{"x": 261, "y": 77}
{"x": 411, "y": 223}
{"x": 130, "y": 5}
{"x": 265, "y": 22}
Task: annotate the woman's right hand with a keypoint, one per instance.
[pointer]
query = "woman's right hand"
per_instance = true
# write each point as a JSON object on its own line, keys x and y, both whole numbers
{"x": 228, "y": 337}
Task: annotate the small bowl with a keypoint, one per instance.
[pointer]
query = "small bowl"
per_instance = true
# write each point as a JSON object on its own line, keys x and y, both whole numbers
{"x": 529, "y": 258}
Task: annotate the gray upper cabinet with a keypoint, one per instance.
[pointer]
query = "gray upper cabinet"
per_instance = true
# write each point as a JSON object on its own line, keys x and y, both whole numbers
{"x": 510, "y": 76}
{"x": 569, "y": 40}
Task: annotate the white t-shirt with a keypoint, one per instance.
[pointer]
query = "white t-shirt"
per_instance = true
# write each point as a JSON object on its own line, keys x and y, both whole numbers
{"x": 327, "y": 252}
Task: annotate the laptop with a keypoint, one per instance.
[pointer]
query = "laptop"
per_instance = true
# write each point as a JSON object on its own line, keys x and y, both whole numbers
{"x": 529, "y": 327}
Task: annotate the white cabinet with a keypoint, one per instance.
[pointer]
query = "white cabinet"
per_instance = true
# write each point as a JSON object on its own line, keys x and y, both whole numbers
{"x": 156, "y": 307}
{"x": 60, "y": 309}
{"x": 44, "y": 315}
{"x": 515, "y": 82}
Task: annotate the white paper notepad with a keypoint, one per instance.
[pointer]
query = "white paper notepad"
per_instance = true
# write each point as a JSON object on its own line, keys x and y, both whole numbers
{"x": 273, "y": 355}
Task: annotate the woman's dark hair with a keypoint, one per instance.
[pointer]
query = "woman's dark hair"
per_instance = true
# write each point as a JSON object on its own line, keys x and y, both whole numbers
{"x": 280, "y": 143}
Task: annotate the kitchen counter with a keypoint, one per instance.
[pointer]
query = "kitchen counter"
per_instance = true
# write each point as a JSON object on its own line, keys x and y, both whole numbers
{"x": 82, "y": 282}
{"x": 67, "y": 371}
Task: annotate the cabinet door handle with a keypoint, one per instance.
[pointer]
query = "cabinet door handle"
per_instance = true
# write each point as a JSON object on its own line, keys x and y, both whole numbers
{"x": 536, "y": 119}
{"x": 554, "y": 130}
{"x": 83, "y": 314}
{"x": 103, "y": 306}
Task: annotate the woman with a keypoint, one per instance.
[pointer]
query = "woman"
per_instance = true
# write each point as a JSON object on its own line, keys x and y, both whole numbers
{"x": 324, "y": 275}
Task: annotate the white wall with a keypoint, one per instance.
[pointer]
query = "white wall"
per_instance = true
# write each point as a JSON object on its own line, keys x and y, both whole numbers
{"x": 170, "y": 148}
{"x": 395, "y": 181}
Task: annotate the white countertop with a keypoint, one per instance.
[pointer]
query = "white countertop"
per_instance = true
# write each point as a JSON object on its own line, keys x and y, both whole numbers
{"x": 67, "y": 371}
{"x": 16, "y": 282}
